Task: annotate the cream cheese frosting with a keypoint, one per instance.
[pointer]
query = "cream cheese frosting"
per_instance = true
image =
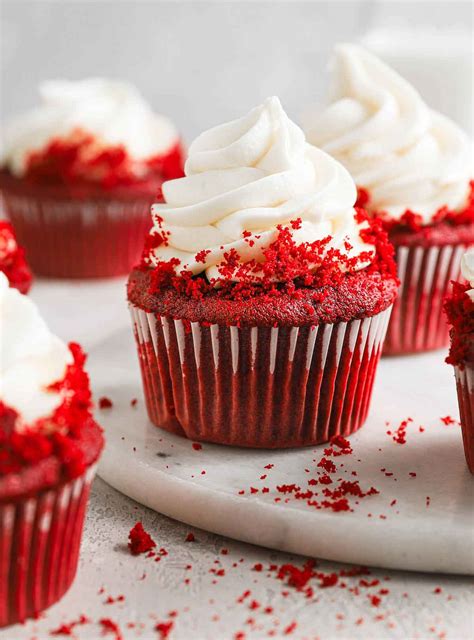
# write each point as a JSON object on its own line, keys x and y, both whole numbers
{"x": 467, "y": 270}
{"x": 250, "y": 175}
{"x": 114, "y": 112}
{"x": 407, "y": 155}
{"x": 31, "y": 357}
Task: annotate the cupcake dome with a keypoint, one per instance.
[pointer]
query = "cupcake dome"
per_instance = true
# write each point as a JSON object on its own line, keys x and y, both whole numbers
{"x": 413, "y": 167}
{"x": 49, "y": 444}
{"x": 259, "y": 271}
{"x": 79, "y": 173}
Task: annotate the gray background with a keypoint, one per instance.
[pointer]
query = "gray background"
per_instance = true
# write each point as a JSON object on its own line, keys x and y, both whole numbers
{"x": 206, "y": 62}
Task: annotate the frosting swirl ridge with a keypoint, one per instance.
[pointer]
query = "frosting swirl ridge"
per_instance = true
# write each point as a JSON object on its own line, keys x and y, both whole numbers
{"x": 243, "y": 179}
{"x": 407, "y": 155}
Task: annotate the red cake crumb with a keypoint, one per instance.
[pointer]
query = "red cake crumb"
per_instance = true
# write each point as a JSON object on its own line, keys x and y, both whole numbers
{"x": 81, "y": 158}
{"x": 67, "y": 628}
{"x": 290, "y": 628}
{"x": 12, "y": 259}
{"x": 133, "y": 402}
{"x": 105, "y": 403}
{"x": 139, "y": 540}
{"x": 111, "y": 627}
{"x": 400, "y": 434}
{"x": 164, "y": 629}
{"x": 447, "y": 420}
{"x": 197, "y": 446}
{"x": 190, "y": 537}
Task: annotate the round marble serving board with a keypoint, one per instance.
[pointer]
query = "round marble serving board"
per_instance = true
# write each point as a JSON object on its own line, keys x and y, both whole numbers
{"x": 429, "y": 527}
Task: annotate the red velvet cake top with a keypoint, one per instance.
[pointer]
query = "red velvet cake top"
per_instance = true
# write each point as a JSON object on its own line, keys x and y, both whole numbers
{"x": 95, "y": 131}
{"x": 80, "y": 158}
{"x": 459, "y": 308}
{"x": 411, "y": 222}
{"x": 290, "y": 291}
{"x": 59, "y": 435}
{"x": 12, "y": 259}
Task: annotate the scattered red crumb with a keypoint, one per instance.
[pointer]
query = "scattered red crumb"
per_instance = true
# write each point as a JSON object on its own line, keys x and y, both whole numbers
{"x": 190, "y": 537}
{"x": 110, "y": 627}
{"x": 290, "y": 628}
{"x": 112, "y": 600}
{"x": 447, "y": 420}
{"x": 164, "y": 629}
{"x": 66, "y": 629}
{"x": 438, "y": 590}
{"x": 375, "y": 600}
{"x": 412, "y": 474}
{"x": 268, "y": 466}
{"x": 399, "y": 436}
{"x": 105, "y": 403}
{"x": 133, "y": 402}
{"x": 197, "y": 446}
{"x": 428, "y": 500}
{"x": 258, "y": 566}
{"x": 139, "y": 540}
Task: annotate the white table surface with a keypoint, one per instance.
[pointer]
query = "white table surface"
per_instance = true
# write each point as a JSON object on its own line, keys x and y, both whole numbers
{"x": 417, "y": 605}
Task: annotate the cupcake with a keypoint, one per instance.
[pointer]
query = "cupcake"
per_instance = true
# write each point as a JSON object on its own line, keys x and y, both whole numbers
{"x": 78, "y": 175}
{"x": 459, "y": 307}
{"x": 12, "y": 259}
{"x": 263, "y": 296}
{"x": 412, "y": 167}
{"x": 49, "y": 446}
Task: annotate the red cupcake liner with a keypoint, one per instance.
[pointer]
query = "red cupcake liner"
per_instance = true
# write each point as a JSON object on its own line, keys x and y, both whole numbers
{"x": 76, "y": 238}
{"x": 418, "y": 322}
{"x": 465, "y": 389}
{"x": 40, "y": 538}
{"x": 258, "y": 386}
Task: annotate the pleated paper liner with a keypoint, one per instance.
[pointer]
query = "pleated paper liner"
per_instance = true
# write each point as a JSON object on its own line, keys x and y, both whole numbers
{"x": 465, "y": 390}
{"x": 40, "y": 538}
{"x": 418, "y": 322}
{"x": 258, "y": 386}
{"x": 80, "y": 238}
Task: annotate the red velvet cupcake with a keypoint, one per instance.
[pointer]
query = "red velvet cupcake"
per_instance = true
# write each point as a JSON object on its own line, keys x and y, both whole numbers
{"x": 12, "y": 259}
{"x": 262, "y": 301}
{"x": 459, "y": 307}
{"x": 412, "y": 166}
{"x": 49, "y": 447}
{"x": 79, "y": 174}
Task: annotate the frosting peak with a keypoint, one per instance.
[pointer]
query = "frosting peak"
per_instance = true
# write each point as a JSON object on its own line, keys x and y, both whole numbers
{"x": 114, "y": 112}
{"x": 31, "y": 357}
{"x": 243, "y": 179}
{"x": 378, "y": 126}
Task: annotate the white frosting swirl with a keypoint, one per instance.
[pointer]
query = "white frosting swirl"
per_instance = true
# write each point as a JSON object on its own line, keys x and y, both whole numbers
{"x": 31, "y": 357}
{"x": 377, "y": 125}
{"x": 467, "y": 270}
{"x": 114, "y": 112}
{"x": 251, "y": 175}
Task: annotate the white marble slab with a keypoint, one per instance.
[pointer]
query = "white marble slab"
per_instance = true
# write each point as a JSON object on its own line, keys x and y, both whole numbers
{"x": 163, "y": 472}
